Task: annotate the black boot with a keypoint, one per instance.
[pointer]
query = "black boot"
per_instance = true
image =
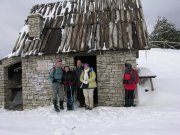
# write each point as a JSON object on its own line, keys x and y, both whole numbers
{"x": 61, "y": 105}
{"x": 132, "y": 103}
{"x": 56, "y": 106}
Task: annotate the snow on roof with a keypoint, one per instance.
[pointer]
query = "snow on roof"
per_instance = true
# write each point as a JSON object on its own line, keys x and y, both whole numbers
{"x": 86, "y": 25}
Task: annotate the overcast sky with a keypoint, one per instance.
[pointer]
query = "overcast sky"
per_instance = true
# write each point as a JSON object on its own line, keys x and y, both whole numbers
{"x": 14, "y": 12}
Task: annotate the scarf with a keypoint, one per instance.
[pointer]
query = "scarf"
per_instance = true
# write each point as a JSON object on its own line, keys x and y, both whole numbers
{"x": 86, "y": 77}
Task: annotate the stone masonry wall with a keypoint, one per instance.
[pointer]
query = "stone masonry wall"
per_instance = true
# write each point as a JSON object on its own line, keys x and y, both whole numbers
{"x": 1, "y": 87}
{"x": 110, "y": 70}
{"x": 35, "y": 22}
{"x": 4, "y": 85}
{"x": 36, "y": 87}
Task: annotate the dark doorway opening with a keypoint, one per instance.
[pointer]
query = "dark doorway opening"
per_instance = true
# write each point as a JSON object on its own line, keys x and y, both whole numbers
{"x": 91, "y": 60}
{"x": 13, "y": 94}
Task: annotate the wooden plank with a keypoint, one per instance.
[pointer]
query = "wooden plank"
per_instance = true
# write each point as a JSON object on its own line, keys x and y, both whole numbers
{"x": 83, "y": 43}
{"x": 23, "y": 44}
{"x": 16, "y": 44}
{"x": 63, "y": 39}
{"x": 26, "y": 45}
{"x": 41, "y": 40}
{"x": 64, "y": 20}
{"x": 56, "y": 5}
{"x": 135, "y": 36}
{"x": 93, "y": 40}
{"x": 35, "y": 45}
{"x": 69, "y": 19}
{"x": 20, "y": 40}
{"x": 139, "y": 33}
{"x": 56, "y": 21}
{"x": 83, "y": 6}
{"x": 59, "y": 9}
{"x": 87, "y": 6}
{"x": 92, "y": 7}
{"x": 102, "y": 40}
{"x": 59, "y": 23}
{"x": 30, "y": 47}
{"x": 79, "y": 40}
{"x": 110, "y": 35}
{"x": 89, "y": 36}
{"x": 115, "y": 37}
{"x": 69, "y": 35}
{"x": 44, "y": 10}
{"x": 97, "y": 6}
{"x": 124, "y": 33}
{"x": 120, "y": 35}
{"x": 106, "y": 34}
{"x": 129, "y": 34}
{"x": 74, "y": 38}
{"x": 98, "y": 37}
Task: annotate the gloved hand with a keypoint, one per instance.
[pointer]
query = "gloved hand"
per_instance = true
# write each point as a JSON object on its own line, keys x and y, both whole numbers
{"x": 85, "y": 82}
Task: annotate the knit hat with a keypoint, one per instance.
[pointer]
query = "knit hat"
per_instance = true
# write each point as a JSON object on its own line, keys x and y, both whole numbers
{"x": 128, "y": 65}
{"x": 86, "y": 65}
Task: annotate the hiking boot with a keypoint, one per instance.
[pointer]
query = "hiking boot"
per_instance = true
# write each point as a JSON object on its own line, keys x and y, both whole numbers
{"x": 56, "y": 108}
{"x": 61, "y": 105}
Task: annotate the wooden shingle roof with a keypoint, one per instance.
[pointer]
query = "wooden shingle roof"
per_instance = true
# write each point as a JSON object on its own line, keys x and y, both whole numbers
{"x": 86, "y": 25}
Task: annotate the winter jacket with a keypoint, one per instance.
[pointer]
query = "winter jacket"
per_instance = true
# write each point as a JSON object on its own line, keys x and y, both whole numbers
{"x": 129, "y": 79}
{"x": 78, "y": 71}
{"x": 55, "y": 75}
{"x": 69, "y": 78}
{"x": 91, "y": 80}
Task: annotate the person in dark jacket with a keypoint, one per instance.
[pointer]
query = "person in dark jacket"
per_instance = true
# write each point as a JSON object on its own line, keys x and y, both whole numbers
{"x": 69, "y": 80}
{"x": 78, "y": 70}
{"x": 129, "y": 82}
{"x": 55, "y": 78}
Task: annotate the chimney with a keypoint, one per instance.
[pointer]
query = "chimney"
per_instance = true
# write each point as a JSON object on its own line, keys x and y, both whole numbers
{"x": 35, "y": 22}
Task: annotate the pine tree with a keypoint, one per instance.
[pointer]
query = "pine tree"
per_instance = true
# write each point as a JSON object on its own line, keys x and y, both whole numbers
{"x": 165, "y": 31}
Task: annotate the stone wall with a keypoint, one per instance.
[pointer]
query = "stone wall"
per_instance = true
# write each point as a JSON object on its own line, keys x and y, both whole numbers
{"x": 1, "y": 87}
{"x": 4, "y": 85}
{"x": 35, "y": 22}
{"x": 110, "y": 70}
{"x": 36, "y": 87}
{"x": 37, "y": 90}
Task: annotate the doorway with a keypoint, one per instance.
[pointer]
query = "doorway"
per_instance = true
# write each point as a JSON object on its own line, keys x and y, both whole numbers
{"x": 91, "y": 60}
{"x": 13, "y": 93}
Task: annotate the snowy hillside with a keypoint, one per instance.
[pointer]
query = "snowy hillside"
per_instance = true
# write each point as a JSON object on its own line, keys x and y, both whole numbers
{"x": 158, "y": 112}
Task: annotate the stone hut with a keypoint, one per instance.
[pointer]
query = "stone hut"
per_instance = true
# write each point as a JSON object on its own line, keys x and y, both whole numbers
{"x": 104, "y": 33}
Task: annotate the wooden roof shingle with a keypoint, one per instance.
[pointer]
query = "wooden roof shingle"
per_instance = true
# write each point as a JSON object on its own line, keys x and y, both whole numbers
{"x": 85, "y": 25}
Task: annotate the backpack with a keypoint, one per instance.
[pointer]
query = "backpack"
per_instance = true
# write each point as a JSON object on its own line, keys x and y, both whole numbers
{"x": 137, "y": 76}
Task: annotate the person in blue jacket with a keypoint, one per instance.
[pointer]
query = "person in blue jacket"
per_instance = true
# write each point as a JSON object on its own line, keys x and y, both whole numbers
{"x": 55, "y": 78}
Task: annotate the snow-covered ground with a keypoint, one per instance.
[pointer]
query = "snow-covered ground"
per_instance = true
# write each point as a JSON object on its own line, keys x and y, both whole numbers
{"x": 158, "y": 112}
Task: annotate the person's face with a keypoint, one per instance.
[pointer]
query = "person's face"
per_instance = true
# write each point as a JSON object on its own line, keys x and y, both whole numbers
{"x": 86, "y": 67}
{"x": 78, "y": 63}
{"x": 58, "y": 64}
{"x": 66, "y": 69}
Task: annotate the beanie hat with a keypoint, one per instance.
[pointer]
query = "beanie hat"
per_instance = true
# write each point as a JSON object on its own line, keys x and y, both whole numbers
{"x": 86, "y": 65}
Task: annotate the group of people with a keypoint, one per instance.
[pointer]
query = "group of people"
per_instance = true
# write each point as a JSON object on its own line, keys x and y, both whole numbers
{"x": 82, "y": 79}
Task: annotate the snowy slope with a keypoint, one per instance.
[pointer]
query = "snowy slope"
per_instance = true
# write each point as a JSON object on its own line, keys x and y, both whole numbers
{"x": 158, "y": 112}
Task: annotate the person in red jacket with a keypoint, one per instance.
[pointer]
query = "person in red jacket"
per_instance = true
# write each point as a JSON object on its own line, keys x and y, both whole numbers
{"x": 130, "y": 81}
